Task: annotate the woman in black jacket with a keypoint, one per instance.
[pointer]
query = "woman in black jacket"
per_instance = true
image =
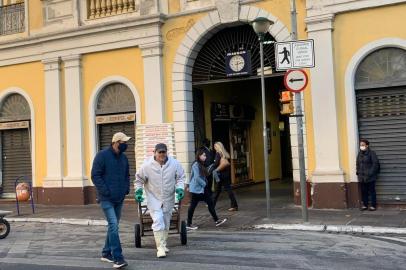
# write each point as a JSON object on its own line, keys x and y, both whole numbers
{"x": 367, "y": 171}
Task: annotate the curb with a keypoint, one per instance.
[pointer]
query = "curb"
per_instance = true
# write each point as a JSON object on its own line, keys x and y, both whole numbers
{"x": 71, "y": 221}
{"x": 332, "y": 228}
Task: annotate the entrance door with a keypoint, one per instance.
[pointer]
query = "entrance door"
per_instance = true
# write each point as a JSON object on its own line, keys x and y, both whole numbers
{"x": 382, "y": 120}
{"x": 380, "y": 86}
{"x": 16, "y": 158}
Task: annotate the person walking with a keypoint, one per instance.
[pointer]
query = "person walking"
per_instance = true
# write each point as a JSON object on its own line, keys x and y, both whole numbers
{"x": 207, "y": 163}
{"x": 161, "y": 177}
{"x": 223, "y": 169}
{"x": 367, "y": 171}
{"x": 199, "y": 190}
{"x": 110, "y": 175}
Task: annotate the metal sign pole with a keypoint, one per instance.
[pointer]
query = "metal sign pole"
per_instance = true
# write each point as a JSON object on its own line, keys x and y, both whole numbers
{"x": 265, "y": 133}
{"x": 299, "y": 123}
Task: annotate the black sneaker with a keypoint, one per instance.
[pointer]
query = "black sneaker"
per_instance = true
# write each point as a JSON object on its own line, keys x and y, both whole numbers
{"x": 120, "y": 264}
{"x": 191, "y": 227}
{"x": 107, "y": 258}
{"x": 220, "y": 221}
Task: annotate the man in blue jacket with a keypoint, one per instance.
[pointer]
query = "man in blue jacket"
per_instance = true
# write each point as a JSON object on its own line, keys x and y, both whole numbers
{"x": 110, "y": 175}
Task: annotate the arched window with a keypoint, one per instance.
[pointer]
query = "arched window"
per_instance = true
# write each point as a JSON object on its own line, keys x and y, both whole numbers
{"x": 115, "y": 98}
{"x": 14, "y": 108}
{"x": 382, "y": 68}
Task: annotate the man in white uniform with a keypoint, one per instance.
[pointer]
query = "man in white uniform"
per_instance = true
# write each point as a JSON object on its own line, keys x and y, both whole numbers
{"x": 161, "y": 177}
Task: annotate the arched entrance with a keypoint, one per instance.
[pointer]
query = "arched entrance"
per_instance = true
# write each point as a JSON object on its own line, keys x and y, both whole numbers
{"x": 15, "y": 142}
{"x": 115, "y": 112}
{"x": 380, "y": 88}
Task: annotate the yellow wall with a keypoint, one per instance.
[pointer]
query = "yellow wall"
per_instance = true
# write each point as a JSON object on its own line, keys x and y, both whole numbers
{"x": 370, "y": 25}
{"x": 35, "y": 14}
{"x": 96, "y": 67}
{"x": 30, "y": 78}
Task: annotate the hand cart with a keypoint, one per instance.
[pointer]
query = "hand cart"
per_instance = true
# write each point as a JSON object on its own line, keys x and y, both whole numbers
{"x": 4, "y": 225}
{"x": 177, "y": 226}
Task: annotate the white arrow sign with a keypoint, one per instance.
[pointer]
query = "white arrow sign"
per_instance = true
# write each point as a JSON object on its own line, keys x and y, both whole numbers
{"x": 295, "y": 80}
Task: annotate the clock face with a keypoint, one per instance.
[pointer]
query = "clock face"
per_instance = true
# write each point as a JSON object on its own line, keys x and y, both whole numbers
{"x": 237, "y": 63}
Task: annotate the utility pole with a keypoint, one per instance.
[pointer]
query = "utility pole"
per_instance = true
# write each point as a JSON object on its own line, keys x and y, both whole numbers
{"x": 299, "y": 123}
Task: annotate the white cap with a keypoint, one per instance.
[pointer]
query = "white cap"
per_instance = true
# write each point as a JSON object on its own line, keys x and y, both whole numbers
{"x": 120, "y": 136}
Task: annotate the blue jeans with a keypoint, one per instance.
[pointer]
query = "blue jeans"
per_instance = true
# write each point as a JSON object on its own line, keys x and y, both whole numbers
{"x": 112, "y": 246}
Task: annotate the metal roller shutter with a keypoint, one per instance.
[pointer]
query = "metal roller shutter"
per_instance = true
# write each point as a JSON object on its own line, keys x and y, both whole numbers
{"x": 382, "y": 120}
{"x": 16, "y": 157}
{"x": 106, "y": 132}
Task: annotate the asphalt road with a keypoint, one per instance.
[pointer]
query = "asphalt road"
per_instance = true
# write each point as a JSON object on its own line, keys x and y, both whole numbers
{"x": 61, "y": 247}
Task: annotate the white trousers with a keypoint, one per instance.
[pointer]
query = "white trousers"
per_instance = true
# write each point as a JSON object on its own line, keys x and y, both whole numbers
{"x": 160, "y": 220}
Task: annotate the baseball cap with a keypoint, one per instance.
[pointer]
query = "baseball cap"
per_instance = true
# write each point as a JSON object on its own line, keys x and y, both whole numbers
{"x": 161, "y": 147}
{"x": 120, "y": 136}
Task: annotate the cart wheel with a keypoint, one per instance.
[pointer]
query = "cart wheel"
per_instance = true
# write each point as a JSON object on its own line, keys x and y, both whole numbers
{"x": 137, "y": 228}
{"x": 4, "y": 228}
{"x": 183, "y": 233}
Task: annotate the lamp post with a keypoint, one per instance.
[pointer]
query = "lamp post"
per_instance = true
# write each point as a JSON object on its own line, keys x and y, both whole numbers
{"x": 261, "y": 26}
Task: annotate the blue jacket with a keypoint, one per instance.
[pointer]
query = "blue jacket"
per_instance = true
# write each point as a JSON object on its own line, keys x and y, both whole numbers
{"x": 111, "y": 175}
{"x": 197, "y": 182}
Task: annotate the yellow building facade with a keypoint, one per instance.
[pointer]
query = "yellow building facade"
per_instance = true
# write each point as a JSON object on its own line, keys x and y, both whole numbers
{"x": 74, "y": 72}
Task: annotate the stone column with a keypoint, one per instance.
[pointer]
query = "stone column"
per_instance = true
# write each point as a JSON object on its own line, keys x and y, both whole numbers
{"x": 153, "y": 83}
{"x": 53, "y": 119}
{"x": 74, "y": 125}
{"x": 328, "y": 177}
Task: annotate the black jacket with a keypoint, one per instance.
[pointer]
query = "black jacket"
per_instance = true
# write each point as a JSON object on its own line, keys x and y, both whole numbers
{"x": 367, "y": 166}
{"x": 110, "y": 175}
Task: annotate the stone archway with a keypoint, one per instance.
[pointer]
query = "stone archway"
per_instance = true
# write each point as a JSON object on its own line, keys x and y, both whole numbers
{"x": 186, "y": 54}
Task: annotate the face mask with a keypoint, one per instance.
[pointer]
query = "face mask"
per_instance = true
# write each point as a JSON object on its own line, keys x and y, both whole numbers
{"x": 363, "y": 148}
{"x": 122, "y": 147}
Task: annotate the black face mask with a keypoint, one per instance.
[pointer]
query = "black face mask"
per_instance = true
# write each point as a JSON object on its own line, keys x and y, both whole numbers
{"x": 122, "y": 147}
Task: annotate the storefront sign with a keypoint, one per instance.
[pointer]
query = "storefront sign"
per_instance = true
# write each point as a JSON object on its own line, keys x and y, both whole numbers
{"x": 147, "y": 136}
{"x": 14, "y": 125}
{"x": 117, "y": 118}
{"x": 294, "y": 54}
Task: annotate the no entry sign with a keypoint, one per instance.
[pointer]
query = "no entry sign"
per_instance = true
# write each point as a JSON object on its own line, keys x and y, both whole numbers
{"x": 295, "y": 80}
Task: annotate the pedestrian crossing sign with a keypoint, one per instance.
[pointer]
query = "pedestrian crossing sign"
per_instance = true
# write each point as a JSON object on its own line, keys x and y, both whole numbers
{"x": 294, "y": 54}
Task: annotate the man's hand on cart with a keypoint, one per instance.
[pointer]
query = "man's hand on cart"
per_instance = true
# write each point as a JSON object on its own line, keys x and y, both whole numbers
{"x": 180, "y": 194}
{"x": 138, "y": 195}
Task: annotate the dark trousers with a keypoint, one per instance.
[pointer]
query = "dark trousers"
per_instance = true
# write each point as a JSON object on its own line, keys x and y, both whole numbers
{"x": 227, "y": 188}
{"x": 196, "y": 198}
{"x": 368, "y": 190}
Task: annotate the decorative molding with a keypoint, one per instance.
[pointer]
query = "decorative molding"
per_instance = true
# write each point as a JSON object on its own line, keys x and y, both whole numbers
{"x": 152, "y": 49}
{"x": 322, "y": 7}
{"x": 51, "y": 64}
{"x": 72, "y": 61}
{"x": 86, "y": 39}
{"x": 176, "y": 32}
{"x": 320, "y": 23}
{"x": 228, "y": 10}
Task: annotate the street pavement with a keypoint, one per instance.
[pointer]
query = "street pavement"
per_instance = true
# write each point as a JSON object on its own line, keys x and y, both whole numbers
{"x": 64, "y": 246}
{"x": 252, "y": 211}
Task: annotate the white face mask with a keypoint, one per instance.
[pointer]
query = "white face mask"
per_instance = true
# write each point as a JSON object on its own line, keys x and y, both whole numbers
{"x": 363, "y": 148}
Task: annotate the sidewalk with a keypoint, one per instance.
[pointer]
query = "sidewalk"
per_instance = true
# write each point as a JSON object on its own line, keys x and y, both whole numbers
{"x": 251, "y": 214}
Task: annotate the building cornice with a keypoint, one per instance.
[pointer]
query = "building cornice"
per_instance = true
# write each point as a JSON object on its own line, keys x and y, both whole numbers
{"x": 317, "y": 8}
{"x": 121, "y": 34}
{"x": 320, "y": 23}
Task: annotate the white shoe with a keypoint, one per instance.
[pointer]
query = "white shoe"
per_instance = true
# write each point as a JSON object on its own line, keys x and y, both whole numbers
{"x": 165, "y": 241}
{"x": 159, "y": 239}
